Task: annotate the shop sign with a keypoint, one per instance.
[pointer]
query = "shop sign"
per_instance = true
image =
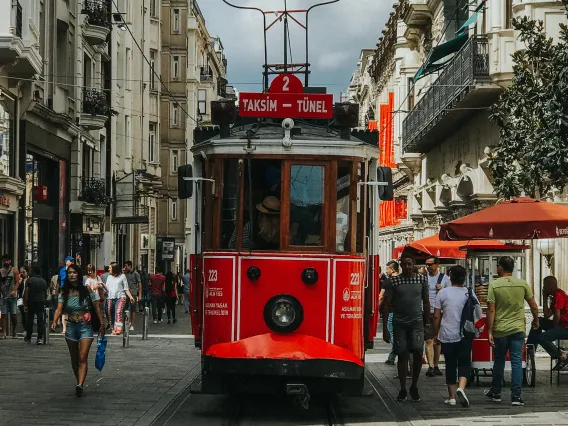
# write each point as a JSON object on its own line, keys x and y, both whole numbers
{"x": 168, "y": 249}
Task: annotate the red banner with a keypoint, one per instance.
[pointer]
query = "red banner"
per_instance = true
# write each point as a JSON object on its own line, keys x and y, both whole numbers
{"x": 390, "y": 213}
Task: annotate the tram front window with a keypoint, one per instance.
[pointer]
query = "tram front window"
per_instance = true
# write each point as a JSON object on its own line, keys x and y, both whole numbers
{"x": 306, "y": 205}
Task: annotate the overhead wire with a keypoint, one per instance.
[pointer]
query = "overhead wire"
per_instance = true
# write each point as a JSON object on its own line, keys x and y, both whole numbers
{"x": 150, "y": 64}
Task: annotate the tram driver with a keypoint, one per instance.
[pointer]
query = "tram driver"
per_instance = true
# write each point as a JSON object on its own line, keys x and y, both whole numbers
{"x": 266, "y": 227}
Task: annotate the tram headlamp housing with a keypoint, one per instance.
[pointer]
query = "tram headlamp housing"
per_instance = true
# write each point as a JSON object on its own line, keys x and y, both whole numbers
{"x": 283, "y": 314}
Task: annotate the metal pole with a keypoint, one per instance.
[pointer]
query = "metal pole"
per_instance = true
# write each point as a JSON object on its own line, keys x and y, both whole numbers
{"x": 126, "y": 333}
{"x": 145, "y": 323}
{"x": 46, "y": 326}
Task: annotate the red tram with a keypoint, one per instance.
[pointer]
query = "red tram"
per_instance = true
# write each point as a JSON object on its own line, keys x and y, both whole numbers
{"x": 284, "y": 256}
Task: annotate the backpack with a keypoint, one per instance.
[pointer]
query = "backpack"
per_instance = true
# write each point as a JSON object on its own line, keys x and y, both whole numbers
{"x": 470, "y": 316}
{"x": 440, "y": 278}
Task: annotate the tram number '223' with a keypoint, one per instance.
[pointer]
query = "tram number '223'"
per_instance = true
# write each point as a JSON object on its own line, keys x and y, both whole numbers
{"x": 355, "y": 279}
{"x": 213, "y": 276}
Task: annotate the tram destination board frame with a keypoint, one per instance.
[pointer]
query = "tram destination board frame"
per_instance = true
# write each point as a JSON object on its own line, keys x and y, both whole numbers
{"x": 286, "y": 99}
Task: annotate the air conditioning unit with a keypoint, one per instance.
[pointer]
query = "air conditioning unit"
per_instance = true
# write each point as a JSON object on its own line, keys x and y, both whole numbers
{"x": 144, "y": 241}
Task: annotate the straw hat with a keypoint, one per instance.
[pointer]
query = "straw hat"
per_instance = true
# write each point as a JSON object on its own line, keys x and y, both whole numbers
{"x": 270, "y": 205}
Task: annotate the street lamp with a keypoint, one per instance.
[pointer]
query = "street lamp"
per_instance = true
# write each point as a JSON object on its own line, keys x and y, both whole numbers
{"x": 546, "y": 247}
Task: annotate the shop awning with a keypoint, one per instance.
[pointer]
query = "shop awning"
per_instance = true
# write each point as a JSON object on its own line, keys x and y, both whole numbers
{"x": 472, "y": 19}
{"x": 520, "y": 219}
{"x": 440, "y": 52}
{"x": 432, "y": 246}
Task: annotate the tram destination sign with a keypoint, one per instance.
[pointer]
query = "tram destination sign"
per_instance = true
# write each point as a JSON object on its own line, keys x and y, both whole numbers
{"x": 286, "y": 99}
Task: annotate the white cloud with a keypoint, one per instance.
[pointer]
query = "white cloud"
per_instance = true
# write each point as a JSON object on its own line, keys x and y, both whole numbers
{"x": 338, "y": 32}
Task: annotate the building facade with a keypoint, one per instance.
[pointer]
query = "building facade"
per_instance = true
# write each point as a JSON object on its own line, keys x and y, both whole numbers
{"x": 194, "y": 64}
{"x": 443, "y": 64}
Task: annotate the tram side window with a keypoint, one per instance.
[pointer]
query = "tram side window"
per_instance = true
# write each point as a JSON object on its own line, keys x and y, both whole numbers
{"x": 306, "y": 205}
{"x": 342, "y": 242}
{"x": 361, "y": 204}
{"x": 261, "y": 206}
{"x": 230, "y": 206}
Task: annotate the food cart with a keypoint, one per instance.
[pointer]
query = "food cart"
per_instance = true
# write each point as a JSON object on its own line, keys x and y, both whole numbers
{"x": 481, "y": 261}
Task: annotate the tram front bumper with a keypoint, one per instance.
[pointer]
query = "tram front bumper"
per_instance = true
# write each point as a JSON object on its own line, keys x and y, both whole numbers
{"x": 284, "y": 355}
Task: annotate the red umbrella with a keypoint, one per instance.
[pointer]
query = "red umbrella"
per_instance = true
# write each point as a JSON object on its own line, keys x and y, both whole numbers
{"x": 519, "y": 219}
{"x": 432, "y": 246}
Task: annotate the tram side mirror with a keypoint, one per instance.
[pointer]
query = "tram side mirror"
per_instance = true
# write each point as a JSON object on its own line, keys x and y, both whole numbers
{"x": 386, "y": 192}
{"x": 185, "y": 187}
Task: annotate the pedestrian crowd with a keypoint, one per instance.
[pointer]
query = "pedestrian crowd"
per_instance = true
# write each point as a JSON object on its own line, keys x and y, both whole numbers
{"x": 79, "y": 303}
{"x": 437, "y": 313}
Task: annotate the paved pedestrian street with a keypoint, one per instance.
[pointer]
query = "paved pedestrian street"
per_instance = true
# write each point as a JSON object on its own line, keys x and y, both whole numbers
{"x": 148, "y": 384}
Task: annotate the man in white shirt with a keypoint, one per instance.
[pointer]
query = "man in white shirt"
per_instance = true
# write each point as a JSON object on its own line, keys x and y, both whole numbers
{"x": 436, "y": 282}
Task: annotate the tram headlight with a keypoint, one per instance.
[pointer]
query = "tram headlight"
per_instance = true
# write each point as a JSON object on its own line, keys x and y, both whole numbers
{"x": 283, "y": 314}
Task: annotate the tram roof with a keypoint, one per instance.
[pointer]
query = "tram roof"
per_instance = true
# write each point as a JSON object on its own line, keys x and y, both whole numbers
{"x": 267, "y": 137}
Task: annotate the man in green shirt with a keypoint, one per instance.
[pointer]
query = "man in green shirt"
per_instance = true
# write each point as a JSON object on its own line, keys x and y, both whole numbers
{"x": 506, "y": 327}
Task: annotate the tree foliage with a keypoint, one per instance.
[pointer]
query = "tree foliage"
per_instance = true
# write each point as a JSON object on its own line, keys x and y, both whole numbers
{"x": 532, "y": 115}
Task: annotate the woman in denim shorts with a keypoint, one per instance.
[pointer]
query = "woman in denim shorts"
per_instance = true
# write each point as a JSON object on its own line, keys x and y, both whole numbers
{"x": 74, "y": 302}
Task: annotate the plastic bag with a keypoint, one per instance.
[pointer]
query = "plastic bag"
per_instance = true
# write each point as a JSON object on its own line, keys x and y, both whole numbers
{"x": 101, "y": 349}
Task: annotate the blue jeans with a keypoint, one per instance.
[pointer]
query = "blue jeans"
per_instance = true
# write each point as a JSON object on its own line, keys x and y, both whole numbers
{"x": 549, "y": 338}
{"x": 186, "y": 300}
{"x": 392, "y": 354}
{"x": 514, "y": 345}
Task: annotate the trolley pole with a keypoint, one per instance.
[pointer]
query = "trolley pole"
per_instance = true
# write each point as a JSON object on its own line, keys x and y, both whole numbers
{"x": 46, "y": 327}
{"x": 145, "y": 323}
{"x": 126, "y": 331}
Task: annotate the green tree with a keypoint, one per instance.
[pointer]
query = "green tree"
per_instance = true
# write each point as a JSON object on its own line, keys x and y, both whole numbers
{"x": 532, "y": 115}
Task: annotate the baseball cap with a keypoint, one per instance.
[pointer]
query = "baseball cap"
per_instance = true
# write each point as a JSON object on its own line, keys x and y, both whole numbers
{"x": 68, "y": 258}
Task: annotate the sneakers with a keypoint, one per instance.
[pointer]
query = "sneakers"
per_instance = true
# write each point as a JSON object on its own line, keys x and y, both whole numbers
{"x": 489, "y": 394}
{"x": 79, "y": 391}
{"x": 517, "y": 401}
{"x": 131, "y": 328}
{"x": 430, "y": 372}
{"x": 26, "y": 340}
{"x": 450, "y": 402}
{"x": 175, "y": 320}
{"x": 462, "y": 398}
{"x": 39, "y": 342}
{"x": 402, "y": 396}
{"x": 155, "y": 321}
{"x": 560, "y": 364}
{"x": 414, "y": 395}
{"x": 437, "y": 371}
{"x": 389, "y": 362}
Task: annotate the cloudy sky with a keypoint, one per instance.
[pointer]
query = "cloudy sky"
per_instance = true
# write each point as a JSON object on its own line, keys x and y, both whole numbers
{"x": 338, "y": 32}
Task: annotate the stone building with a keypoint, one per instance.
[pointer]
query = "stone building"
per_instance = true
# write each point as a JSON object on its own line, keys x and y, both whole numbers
{"x": 195, "y": 68}
{"x": 445, "y": 63}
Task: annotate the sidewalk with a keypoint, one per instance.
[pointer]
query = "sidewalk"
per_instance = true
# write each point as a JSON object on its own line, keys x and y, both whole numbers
{"x": 545, "y": 403}
{"x": 136, "y": 384}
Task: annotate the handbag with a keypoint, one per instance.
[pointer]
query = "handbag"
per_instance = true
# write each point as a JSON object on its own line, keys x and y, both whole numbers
{"x": 101, "y": 350}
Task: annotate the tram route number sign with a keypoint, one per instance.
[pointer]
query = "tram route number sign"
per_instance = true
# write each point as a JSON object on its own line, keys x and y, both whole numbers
{"x": 286, "y": 99}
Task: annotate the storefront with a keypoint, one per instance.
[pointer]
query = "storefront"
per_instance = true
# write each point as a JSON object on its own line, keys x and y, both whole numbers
{"x": 8, "y": 209}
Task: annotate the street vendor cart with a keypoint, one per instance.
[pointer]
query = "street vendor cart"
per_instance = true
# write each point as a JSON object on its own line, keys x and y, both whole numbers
{"x": 481, "y": 264}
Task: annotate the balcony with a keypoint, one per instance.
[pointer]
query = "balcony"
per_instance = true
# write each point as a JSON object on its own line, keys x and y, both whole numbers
{"x": 94, "y": 191}
{"x": 95, "y": 109}
{"x": 97, "y": 23}
{"x": 18, "y": 56}
{"x": 222, "y": 87}
{"x": 206, "y": 73}
{"x": 463, "y": 86}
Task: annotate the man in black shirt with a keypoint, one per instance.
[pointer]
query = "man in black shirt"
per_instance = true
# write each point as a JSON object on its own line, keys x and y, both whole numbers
{"x": 407, "y": 297}
{"x": 35, "y": 297}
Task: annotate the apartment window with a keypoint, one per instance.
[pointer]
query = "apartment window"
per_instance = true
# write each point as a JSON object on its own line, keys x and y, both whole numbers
{"x": 153, "y": 13}
{"x": 152, "y": 143}
{"x": 152, "y": 69}
{"x": 411, "y": 97}
{"x": 175, "y": 21}
{"x": 508, "y": 13}
{"x": 127, "y": 140}
{"x": 202, "y": 102}
{"x": 127, "y": 69}
{"x": 175, "y": 161}
{"x": 175, "y": 67}
{"x": 175, "y": 115}
{"x": 173, "y": 210}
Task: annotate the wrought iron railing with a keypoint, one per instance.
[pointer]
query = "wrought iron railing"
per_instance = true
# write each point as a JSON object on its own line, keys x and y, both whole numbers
{"x": 19, "y": 20}
{"x": 222, "y": 87}
{"x": 95, "y": 102}
{"x": 471, "y": 62}
{"x": 94, "y": 191}
{"x": 206, "y": 73}
{"x": 97, "y": 13}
